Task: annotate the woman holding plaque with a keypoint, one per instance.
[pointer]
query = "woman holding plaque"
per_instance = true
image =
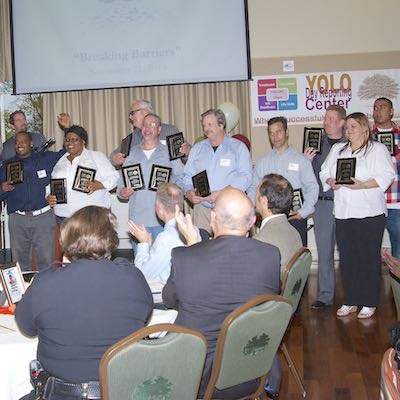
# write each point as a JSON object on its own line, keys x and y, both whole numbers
{"x": 82, "y": 308}
{"x": 83, "y": 177}
{"x": 359, "y": 171}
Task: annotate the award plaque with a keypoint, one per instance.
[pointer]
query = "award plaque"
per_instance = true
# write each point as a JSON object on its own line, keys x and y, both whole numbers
{"x": 126, "y": 145}
{"x": 201, "y": 185}
{"x": 312, "y": 138}
{"x": 82, "y": 177}
{"x": 387, "y": 138}
{"x": 58, "y": 189}
{"x": 15, "y": 172}
{"x": 13, "y": 282}
{"x": 159, "y": 175}
{"x": 133, "y": 177}
{"x": 174, "y": 143}
{"x": 297, "y": 201}
{"x": 345, "y": 170}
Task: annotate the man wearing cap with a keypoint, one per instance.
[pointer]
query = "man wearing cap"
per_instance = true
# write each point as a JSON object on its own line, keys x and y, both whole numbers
{"x": 31, "y": 222}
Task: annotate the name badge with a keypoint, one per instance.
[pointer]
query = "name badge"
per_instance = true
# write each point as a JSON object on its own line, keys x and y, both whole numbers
{"x": 225, "y": 162}
{"x": 42, "y": 173}
{"x": 293, "y": 167}
{"x": 164, "y": 142}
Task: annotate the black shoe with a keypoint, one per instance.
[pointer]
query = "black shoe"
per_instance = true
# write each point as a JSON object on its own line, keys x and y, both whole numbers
{"x": 271, "y": 394}
{"x": 319, "y": 305}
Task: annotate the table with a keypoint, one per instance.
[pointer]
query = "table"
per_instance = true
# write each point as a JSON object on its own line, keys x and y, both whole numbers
{"x": 17, "y": 350}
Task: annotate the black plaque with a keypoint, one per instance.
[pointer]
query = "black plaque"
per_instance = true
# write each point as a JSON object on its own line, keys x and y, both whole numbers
{"x": 58, "y": 189}
{"x": 387, "y": 138}
{"x": 15, "y": 172}
{"x": 159, "y": 174}
{"x": 312, "y": 138}
{"x": 82, "y": 177}
{"x": 298, "y": 200}
{"x": 133, "y": 176}
{"x": 345, "y": 170}
{"x": 126, "y": 145}
{"x": 174, "y": 143}
{"x": 201, "y": 185}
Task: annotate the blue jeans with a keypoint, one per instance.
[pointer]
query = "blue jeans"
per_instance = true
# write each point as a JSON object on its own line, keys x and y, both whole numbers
{"x": 153, "y": 230}
{"x": 393, "y": 227}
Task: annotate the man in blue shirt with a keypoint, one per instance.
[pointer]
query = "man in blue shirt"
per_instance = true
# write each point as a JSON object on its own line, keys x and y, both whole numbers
{"x": 31, "y": 221}
{"x": 226, "y": 160}
{"x": 294, "y": 166}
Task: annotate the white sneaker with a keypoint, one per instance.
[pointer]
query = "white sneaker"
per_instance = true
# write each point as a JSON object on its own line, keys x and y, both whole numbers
{"x": 346, "y": 310}
{"x": 366, "y": 312}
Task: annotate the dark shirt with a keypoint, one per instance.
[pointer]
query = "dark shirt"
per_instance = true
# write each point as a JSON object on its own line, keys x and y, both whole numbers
{"x": 80, "y": 310}
{"x": 30, "y": 195}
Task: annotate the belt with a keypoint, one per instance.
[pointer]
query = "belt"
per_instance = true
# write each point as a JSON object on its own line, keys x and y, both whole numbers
{"x": 87, "y": 390}
{"x": 35, "y": 212}
{"x": 330, "y": 198}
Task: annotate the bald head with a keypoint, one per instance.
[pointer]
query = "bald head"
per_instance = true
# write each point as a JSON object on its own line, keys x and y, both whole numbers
{"x": 233, "y": 213}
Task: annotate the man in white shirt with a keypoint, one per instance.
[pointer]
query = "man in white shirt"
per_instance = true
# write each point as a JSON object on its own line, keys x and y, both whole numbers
{"x": 154, "y": 259}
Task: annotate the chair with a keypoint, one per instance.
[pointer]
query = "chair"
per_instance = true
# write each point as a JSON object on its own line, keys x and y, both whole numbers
{"x": 395, "y": 283}
{"x": 247, "y": 343}
{"x": 293, "y": 283}
{"x": 170, "y": 367}
{"x": 390, "y": 377}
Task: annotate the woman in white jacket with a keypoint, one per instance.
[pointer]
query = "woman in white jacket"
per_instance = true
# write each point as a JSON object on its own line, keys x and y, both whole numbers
{"x": 360, "y": 213}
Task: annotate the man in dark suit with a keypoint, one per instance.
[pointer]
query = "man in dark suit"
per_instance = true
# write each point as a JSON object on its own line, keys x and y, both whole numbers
{"x": 211, "y": 279}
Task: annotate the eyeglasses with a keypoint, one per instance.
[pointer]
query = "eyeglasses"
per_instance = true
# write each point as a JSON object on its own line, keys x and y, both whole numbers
{"x": 132, "y": 112}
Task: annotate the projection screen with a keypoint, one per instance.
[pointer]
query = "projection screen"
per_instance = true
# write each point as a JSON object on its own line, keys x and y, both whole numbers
{"x": 61, "y": 45}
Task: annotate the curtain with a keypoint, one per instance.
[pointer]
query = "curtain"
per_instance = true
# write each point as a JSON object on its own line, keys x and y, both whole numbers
{"x": 104, "y": 113}
{"x": 5, "y": 42}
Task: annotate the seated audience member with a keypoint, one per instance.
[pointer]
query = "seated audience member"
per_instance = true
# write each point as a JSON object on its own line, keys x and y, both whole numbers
{"x": 84, "y": 307}
{"x": 139, "y": 110}
{"x": 149, "y": 153}
{"x": 274, "y": 197}
{"x": 154, "y": 259}
{"x": 106, "y": 177}
{"x": 31, "y": 222}
{"x": 211, "y": 279}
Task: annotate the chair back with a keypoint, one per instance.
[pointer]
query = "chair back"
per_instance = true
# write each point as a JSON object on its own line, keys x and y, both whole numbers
{"x": 248, "y": 341}
{"x": 170, "y": 367}
{"x": 296, "y": 275}
{"x": 390, "y": 377}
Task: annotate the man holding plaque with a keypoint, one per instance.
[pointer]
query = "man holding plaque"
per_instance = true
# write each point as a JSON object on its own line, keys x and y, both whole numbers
{"x": 147, "y": 166}
{"x": 324, "y": 220}
{"x": 383, "y": 114}
{"x": 220, "y": 161}
{"x": 294, "y": 166}
{"x": 139, "y": 109}
{"x": 31, "y": 222}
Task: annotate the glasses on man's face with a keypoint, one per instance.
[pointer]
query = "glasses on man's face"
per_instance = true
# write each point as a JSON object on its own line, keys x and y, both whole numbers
{"x": 132, "y": 112}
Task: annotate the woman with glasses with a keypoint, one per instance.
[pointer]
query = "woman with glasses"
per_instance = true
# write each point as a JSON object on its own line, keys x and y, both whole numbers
{"x": 88, "y": 176}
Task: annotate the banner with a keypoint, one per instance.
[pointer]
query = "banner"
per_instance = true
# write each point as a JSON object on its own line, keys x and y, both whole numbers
{"x": 304, "y": 98}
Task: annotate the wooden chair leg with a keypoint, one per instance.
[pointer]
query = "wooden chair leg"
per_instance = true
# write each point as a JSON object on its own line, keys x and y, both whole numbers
{"x": 293, "y": 369}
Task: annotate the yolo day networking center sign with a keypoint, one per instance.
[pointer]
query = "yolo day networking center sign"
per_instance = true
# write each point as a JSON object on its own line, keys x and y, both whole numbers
{"x": 303, "y": 98}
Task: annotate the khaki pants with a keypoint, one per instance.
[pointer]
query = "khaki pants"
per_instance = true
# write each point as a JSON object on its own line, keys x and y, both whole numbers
{"x": 201, "y": 217}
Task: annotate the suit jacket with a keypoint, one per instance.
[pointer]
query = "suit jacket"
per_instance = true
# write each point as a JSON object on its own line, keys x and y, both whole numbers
{"x": 278, "y": 232}
{"x": 211, "y": 279}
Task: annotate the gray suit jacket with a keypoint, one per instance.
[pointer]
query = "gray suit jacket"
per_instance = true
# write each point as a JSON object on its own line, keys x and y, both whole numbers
{"x": 278, "y": 232}
{"x": 211, "y": 279}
